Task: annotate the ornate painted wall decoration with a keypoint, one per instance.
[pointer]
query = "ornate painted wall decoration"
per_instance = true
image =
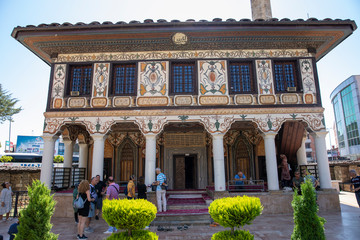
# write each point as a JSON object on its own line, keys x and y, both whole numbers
{"x": 58, "y": 87}
{"x": 150, "y": 124}
{"x": 269, "y": 123}
{"x": 264, "y": 76}
{"x": 212, "y": 77}
{"x": 191, "y": 54}
{"x": 217, "y": 124}
{"x": 153, "y": 79}
{"x": 308, "y": 80}
{"x": 100, "y": 85}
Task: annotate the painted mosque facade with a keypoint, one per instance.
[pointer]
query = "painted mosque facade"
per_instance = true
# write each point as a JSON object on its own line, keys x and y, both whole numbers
{"x": 201, "y": 100}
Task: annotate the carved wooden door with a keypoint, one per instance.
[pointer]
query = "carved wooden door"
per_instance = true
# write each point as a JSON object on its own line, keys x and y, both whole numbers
{"x": 126, "y": 162}
{"x": 179, "y": 166}
{"x": 242, "y": 160}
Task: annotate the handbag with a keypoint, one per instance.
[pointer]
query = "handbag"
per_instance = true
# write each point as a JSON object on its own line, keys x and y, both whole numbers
{"x": 79, "y": 203}
{"x": 164, "y": 186}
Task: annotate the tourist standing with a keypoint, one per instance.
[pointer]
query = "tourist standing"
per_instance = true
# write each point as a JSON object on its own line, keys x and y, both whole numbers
{"x": 131, "y": 188}
{"x": 307, "y": 175}
{"x": 13, "y": 229}
{"x": 5, "y": 201}
{"x": 142, "y": 189}
{"x": 84, "y": 193}
{"x": 93, "y": 195}
{"x": 160, "y": 190}
{"x": 112, "y": 192}
{"x": 285, "y": 171}
{"x": 355, "y": 185}
{"x": 100, "y": 191}
{"x": 75, "y": 194}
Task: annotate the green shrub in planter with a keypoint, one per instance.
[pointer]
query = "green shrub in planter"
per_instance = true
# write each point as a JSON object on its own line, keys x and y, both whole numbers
{"x": 228, "y": 235}
{"x": 136, "y": 235}
{"x": 129, "y": 214}
{"x": 35, "y": 219}
{"x": 307, "y": 224}
{"x": 235, "y": 212}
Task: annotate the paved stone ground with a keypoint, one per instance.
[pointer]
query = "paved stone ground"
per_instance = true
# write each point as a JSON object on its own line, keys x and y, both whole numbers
{"x": 266, "y": 227}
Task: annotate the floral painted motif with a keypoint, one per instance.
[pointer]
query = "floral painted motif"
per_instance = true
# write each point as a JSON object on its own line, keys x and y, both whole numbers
{"x": 153, "y": 79}
{"x": 57, "y": 94}
{"x": 151, "y": 124}
{"x": 264, "y": 77}
{"x": 101, "y": 79}
{"x": 212, "y": 77}
{"x": 308, "y": 80}
{"x": 217, "y": 124}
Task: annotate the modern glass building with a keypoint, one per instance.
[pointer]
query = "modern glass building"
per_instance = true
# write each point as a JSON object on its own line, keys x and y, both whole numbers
{"x": 345, "y": 100}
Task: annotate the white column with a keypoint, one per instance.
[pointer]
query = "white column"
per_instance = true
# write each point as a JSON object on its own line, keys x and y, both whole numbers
{"x": 271, "y": 163}
{"x": 150, "y": 158}
{"x": 47, "y": 159}
{"x": 98, "y": 155}
{"x": 83, "y": 155}
{"x": 301, "y": 154}
{"x": 68, "y": 153}
{"x": 219, "y": 164}
{"x": 322, "y": 159}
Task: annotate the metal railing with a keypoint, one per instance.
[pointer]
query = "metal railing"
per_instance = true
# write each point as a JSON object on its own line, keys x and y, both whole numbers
{"x": 312, "y": 169}
{"x": 64, "y": 178}
{"x": 20, "y": 200}
{"x": 246, "y": 186}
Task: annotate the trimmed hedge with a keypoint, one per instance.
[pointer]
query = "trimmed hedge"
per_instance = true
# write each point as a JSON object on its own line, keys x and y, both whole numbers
{"x": 129, "y": 214}
{"x": 307, "y": 224}
{"x": 238, "y": 234}
{"x": 136, "y": 235}
{"x": 235, "y": 212}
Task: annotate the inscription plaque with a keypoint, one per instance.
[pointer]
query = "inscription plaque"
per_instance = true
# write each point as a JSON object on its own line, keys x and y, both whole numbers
{"x": 243, "y": 99}
{"x": 183, "y": 100}
{"x": 289, "y": 98}
{"x": 267, "y": 99}
{"x": 99, "y": 102}
{"x": 121, "y": 101}
{"x": 152, "y": 101}
{"x": 76, "y": 102}
{"x": 213, "y": 100}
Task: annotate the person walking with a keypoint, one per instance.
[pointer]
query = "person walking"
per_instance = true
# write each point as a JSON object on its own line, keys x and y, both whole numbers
{"x": 160, "y": 190}
{"x": 93, "y": 195}
{"x": 100, "y": 191}
{"x": 5, "y": 201}
{"x": 75, "y": 194}
{"x": 142, "y": 189}
{"x": 131, "y": 188}
{"x": 112, "y": 192}
{"x": 84, "y": 193}
{"x": 355, "y": 184}
{"x": 285, "y": 171}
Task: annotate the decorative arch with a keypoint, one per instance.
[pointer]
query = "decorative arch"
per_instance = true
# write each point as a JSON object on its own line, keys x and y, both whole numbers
{"x": 243, "y": 157}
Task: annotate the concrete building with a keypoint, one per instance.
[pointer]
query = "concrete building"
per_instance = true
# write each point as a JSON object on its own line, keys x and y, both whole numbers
{"x": 199, "y": 99}
{"x": 346, "y": 100}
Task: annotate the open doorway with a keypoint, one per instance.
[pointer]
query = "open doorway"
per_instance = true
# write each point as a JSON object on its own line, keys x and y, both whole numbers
{"x": 185, "y": 171}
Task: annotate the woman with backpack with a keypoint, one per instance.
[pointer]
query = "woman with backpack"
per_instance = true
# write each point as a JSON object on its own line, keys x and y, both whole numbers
{"x": 84, "y": 194}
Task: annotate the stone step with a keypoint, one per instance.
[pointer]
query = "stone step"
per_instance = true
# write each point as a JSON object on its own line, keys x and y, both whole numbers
{"x": 183, "y": 206}
{"x": 179, "y": 220}
{"x": 200, "y": 191}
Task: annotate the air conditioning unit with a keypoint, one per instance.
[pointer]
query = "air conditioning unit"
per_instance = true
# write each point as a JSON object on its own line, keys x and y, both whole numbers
{"x": 74, "y": 93}
{"x": 291, "y": 89}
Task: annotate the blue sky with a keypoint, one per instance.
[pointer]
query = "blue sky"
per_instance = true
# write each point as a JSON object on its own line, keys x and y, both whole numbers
{"x": 27, "y": 77}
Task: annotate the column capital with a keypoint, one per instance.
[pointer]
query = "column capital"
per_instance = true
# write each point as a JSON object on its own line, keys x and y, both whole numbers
{"x": 68, "y": 141}
{"x": 82, "y": 144}
{"x": 98, "y": 136}
{"x": 49, "y": 137}
{"x": 319, "y": 134}
{"x": 150, "y": 135}
{"x": 217, "y": 135}
{"x": 270, "y": 134}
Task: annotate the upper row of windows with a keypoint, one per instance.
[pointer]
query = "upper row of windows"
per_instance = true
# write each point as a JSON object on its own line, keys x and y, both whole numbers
{"x": 183, "y": 78}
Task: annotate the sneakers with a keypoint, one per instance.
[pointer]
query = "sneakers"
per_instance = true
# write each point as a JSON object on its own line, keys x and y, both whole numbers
{"x": 108, "y": 232}
{"x": 96, "y": 217}
{"x": 82, "y": 237}
{"x": 89, "y": 230}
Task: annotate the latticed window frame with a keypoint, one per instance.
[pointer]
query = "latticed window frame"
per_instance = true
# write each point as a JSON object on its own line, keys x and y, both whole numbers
{"x": 194, "y": 79}
{"x": 285, "y": 82}
{"x": 240, "y": 88}
{"x": 85, "y": 80}
{"x": 114, "y": 76}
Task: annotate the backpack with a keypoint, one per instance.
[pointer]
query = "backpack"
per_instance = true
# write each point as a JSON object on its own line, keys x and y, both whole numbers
{"x": 79, "y": 203}
{"x": 126, "y": 190}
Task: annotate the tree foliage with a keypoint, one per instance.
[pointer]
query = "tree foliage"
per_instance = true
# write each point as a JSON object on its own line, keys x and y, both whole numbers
{"x": 5, "y": 159}
{"x": 7, "y": 105}
{"x": 308, "y": 225}
{"x": 35, "y": 219}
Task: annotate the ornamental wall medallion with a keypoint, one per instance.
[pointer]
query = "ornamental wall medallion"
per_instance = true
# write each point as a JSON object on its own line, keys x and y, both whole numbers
{"x": 57, "y": 94}
{"x": 153, "y": 79}
{"x": 308, "y": 80}
{"x": 264, "y": 76}
{"x": 212, "y": 77}
{"x": 180, "y": 39}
